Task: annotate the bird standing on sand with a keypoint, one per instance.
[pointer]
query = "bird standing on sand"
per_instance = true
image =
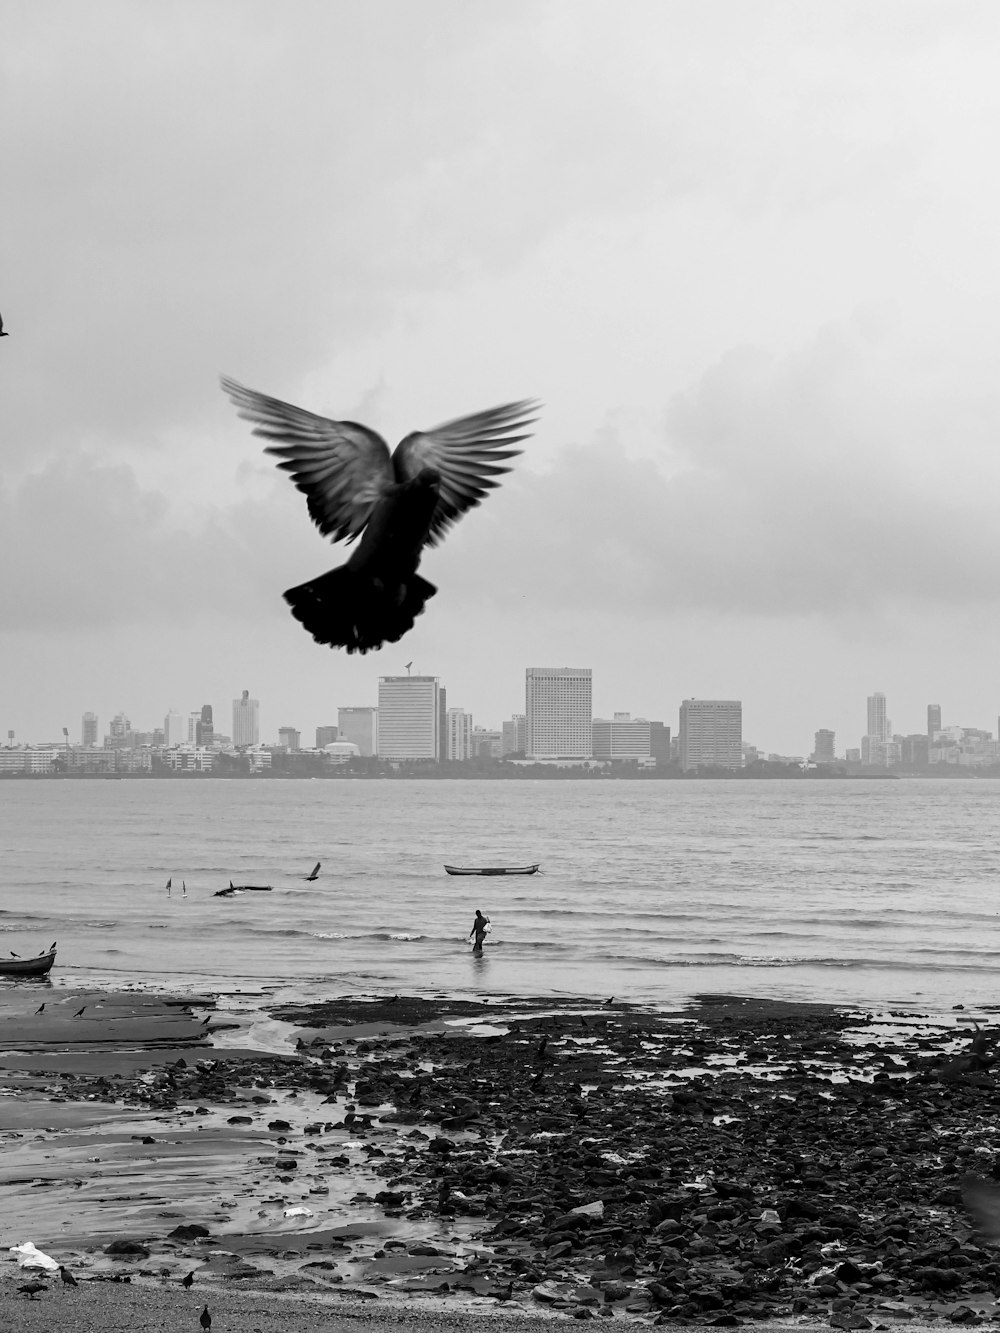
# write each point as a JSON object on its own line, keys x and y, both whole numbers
{"x": 40, "y": 1007}
{"x": 31, "y": 1289}
{"x": 396, "y": 503}
{"x": 79, "y": 1011}
{"x": 188, "y": 1279}
{"x": 68, "y": 1279}
{"x": 205, "y": 1319}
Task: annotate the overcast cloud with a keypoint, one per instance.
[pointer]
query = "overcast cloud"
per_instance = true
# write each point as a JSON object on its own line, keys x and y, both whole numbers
{"x": 744, "y": 253}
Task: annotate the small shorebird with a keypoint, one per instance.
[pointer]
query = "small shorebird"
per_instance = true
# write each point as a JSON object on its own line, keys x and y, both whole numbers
{"x": 205, "y": 1319}
{"x": 67, "y": 1276}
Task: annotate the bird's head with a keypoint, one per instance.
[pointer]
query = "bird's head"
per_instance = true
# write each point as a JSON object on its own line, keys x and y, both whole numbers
{"x": 428, "y": 477}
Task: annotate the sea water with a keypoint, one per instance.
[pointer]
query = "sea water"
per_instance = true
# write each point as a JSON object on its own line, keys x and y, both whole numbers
{"x": 853, "y": 892}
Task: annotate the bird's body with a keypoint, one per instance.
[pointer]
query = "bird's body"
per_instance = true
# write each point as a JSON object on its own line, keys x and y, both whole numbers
{"x": 395, "y": 503}
{"x": 314, "y": 873}
{"x": 187, "y": 1280}
{"x": 40, "y": 1007}
{"x": 3, "y": 334}
{"x": 31, "y": 1289}
{"x": 68, "y": 1279}
{"x": 79, "y": 1011}
{"x": 205, "y": 1319}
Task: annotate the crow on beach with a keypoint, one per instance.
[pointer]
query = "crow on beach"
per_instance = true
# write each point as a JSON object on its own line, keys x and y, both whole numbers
{"x": 188, "y": 1279}
{"x": 395, "y": 503}
{"x": 68, "y": 1279}
{"x": 31, "y": 1289}
{"x": 205, "y": 1319}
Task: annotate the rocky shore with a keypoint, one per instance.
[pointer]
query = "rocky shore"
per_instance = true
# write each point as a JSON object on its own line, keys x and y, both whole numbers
{"x": 739, "y": 1161}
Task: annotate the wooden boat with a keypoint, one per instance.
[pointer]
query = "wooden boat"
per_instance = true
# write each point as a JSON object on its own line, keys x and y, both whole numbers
{"x": 493, "y": 870}
{"x": 242, "y": 888}
{"x": 28, "y": 967}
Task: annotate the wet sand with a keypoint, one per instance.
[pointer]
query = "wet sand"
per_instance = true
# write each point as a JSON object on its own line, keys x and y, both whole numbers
{"x": 392, "y": 1158}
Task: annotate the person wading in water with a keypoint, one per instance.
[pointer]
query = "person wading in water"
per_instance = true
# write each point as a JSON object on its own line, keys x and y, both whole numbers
{"x": 480, "y": 928}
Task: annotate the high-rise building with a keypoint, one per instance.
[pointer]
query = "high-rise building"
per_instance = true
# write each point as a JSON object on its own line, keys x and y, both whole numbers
{"x": 246, "y": 722}
{"x": 621, "y": 737}
{"x": 659, "y": 742}
{"x": 360, "y": 727}
{"x": 326, "y": 736}
{"x": 88, "y": 732}
{"x": 513, "y": 735}
{"x": 711, "y": 733}
{"x": 934, "y": 720}
{"x": 290, "y": 738}
{"x": 204, "y": 734}
{"x": 409, "y": 717}
{"x": 193, "y": 723}
{"x": 878, "y": 722}
{"x": 458, "y": 734}
{"x": 175, "y": 731}
{"x": 823, "y": 747}
{"x": 558, "y": 713}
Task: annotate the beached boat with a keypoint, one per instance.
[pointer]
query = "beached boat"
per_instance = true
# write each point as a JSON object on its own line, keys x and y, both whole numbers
{"x": 493, "y": 870}
{"x": 28, "y": 967}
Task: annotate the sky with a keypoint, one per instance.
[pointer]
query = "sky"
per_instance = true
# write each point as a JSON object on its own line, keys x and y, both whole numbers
{"x": 745, "y": 254}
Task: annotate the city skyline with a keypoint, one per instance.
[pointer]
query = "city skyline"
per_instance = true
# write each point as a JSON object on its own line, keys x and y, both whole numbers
{"x": 744, "y": 256}
{"x": 874, "y": 708}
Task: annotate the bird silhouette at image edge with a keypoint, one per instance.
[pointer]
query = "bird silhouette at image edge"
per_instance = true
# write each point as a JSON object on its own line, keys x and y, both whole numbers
{"x": 3, "y": 332}
{"x": 205, "y": 1319}
{"x": 396, "y": 503}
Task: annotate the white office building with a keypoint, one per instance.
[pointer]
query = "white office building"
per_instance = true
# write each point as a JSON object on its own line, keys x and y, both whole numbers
{"x": 246, "y": 721}
{"x": 409, "y": 717}
{"x": 711, "y": 733}
{"x": 558, "y": 713}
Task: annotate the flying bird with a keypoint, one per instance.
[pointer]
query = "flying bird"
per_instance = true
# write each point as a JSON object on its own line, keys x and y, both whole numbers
{"x": 395, "y": 503}
{"x": 314, "y": 873}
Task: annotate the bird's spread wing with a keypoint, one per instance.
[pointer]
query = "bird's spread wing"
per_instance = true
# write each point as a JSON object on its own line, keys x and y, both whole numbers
{"x": 342, "y": 468}
{"x": 467, "y": 454}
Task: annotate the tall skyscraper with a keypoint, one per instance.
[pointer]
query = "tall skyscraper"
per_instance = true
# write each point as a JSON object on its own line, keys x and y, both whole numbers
{"x": 409, "y": 717}
{"x": 711, "y": 733}
{"x": 326, "y": 736}
{"x": 934, "y": 720}
{"x": 88, "y": 732}
{"x": 360, "y": 727}
{"x": 119, "y": 735}
{"x": 823, "y": 747}
{"x": 175, "y": 731}
{"x": 458, "y": 734}
{"x": 558, "y": 716}
{"x": 878, "y": 722}
{"x": 205, "y": 730}
{"x": 246, "y": 724}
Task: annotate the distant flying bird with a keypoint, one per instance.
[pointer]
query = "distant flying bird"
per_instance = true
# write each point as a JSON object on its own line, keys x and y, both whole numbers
{"x": 205, "y": 1319}
{"x": 314, "y": 873}
{"x": 396, "y": 503}
{"x": 67, "y": 1276}
{"x": 2, "y": 333}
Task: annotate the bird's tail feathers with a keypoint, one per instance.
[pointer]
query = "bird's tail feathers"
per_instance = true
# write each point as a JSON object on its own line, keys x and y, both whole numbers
{"x": 349, "y": 609}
